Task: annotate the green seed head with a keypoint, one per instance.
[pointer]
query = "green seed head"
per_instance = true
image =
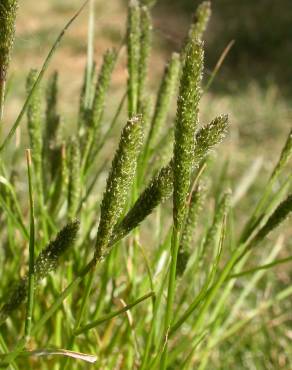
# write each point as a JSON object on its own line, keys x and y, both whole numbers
{"x": 194, "y": 207}
{"x": 158, "y": 190}
{"x": 34, "y": 118}
{"x": 52, "y": 116}
{"x": 46, "y": 262}
{"x": 48, "y": 259}
{"x": 145, "y": 47}
{"x": 74, "y": 185}
{"x": 200, "y": 21}
{"x": 8, "y": 10}
{"x": 15, "y": 298}
{"x": 285, "y": 156}
{"x": 102, "y": 86}
{"x": 133, "y": 44}
{"x": 213, "y": 234}
{"x": 186, "y": 123}
{"x": 281, "y": 213}
{"x": 119, "y": 182}
{"x": 209, "y": 136}
{"x": 165, "y": 94}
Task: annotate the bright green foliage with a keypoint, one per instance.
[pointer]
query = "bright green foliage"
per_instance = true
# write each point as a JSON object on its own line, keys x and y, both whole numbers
{"x": 119, "y": 182}
{"x": 35, "y": 122}
{"x": 185, "y": 127}
{"x": 8, "y": 10}
{"x": 74, "y": 185}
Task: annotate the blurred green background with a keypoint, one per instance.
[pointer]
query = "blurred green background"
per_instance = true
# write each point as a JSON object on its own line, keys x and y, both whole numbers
{"x": 262, "y": 31}
{"x": 253, "y": 86}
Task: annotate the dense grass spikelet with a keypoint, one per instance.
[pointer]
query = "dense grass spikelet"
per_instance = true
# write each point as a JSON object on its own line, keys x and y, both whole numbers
{"x": 48, "y": 259}
{"x": 145, "y": 47}
{"x": 133, "y": 45}
{"x": 281, "y": 213}
{"x": 165, "y": 93}
{"x": 85, "y": 104}
{"x": 200, "y": 21}
{"x": 46, "y": 262}
{"x": 74, "y": 180}
{"x": 8, "y": 9}
{"x": 187, "y": 237}
{"x": 208, "y": 136}
{"x": 52, "y": 116}
{"x": 158, "y": 190}
{"x": 34, "y": 119}
{"x": 185, "y": 126}
{"x": 213, "y": 233}
{"x": 102, "y": 86}
{"x": 285, "y": 156}
{"x": 119, "y": 182}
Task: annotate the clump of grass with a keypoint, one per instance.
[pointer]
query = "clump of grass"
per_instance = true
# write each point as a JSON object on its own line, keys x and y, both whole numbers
{"x": 185, "y": 272}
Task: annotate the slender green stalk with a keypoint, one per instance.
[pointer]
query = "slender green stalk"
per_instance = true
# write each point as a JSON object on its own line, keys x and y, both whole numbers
{"x": 113, "y": 314}
{"x": 31, "y": 272}
{"x": 262, "y": 267}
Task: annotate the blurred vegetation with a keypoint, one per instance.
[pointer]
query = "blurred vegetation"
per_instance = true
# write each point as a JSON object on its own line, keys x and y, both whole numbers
{"x": 262, "y": 32}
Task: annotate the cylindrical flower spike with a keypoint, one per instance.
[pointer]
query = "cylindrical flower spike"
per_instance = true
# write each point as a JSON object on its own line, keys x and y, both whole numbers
{"x": 46, "y": 262}
{"x": 185, "y": 127}
{"x": 281, "y": 213}
{"x": 285, "y": 156}
{"x": 159, "y": 189}
{"x": 200, "y": 21}
{"x": 34, "y": 118}
{"x": 102, "y": 86}
{"x": 194, "y": 207}
{"x": 213, "y": 234}
{"x": 208, "y": 136}
{"x": 94, "y": 115}
{"x": 145, "y": 42}
{"x": 119, "y": 182}
{"x": 133, "y": 35}
{"x": 52, "y": 116}
{"x": 165, "y": 93}
{"x": 74, "y": 185}
{"x": 8, "y": 10}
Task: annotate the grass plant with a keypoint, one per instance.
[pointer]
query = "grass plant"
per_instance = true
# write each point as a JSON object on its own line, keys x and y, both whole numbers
{"x": 153, "y": 268}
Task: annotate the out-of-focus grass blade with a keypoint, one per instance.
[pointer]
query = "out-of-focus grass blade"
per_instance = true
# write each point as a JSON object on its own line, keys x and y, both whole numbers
{"x": 40, "y": 77}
